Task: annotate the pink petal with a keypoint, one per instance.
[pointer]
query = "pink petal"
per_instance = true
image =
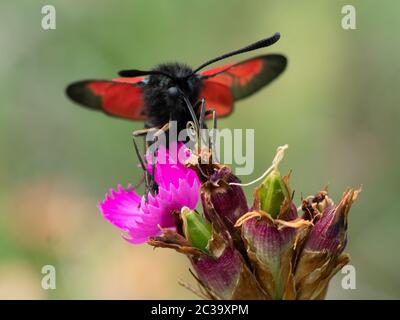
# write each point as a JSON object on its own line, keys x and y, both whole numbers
{"x": 178, "y": 187}
{"x": 121, "y": 208}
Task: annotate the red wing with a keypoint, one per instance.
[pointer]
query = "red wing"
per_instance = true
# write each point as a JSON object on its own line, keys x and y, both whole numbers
{"x": 129, "y": 80}
{"x": 218, "y": 97}
{"x": 121, "y": 97}
{"x": 249, "y": 76}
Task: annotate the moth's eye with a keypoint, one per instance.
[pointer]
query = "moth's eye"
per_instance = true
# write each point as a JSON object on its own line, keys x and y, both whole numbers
{"x": 173, "y": 92}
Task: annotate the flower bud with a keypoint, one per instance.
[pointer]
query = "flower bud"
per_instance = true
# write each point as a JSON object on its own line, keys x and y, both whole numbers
{"x": 270, "y": 249}
{"x": 196, "y": 229}
{"x": 229, "y": 201}
{"x": 227, "y": 277}
{"x": 272, "y": 232}
{"x": 322, "y": 255}
{"x": 329, "y": 233}
{"x": 272, "y": 193}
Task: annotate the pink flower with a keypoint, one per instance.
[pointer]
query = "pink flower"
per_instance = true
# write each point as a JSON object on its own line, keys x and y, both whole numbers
{"x": 178, "y": 186}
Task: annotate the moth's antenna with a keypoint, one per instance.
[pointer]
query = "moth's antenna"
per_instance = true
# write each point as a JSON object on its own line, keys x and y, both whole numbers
{"x": 138, "y": 73}
{"x": 257, "y": 45}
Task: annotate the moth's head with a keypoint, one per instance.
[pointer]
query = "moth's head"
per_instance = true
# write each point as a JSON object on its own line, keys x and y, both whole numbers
{"x": 176, "y": 79}
{"x": 170, "y": 80}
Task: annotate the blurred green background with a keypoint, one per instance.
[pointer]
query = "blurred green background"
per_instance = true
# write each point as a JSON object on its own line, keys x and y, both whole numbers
{"x": 337, "y": 106}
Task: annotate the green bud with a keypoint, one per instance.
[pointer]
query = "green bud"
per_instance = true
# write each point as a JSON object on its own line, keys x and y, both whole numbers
{"x": 196, "y": 229}
{"x": 272, "y": 192}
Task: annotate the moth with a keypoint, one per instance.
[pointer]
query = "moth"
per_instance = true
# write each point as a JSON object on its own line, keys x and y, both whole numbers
{"x": 175, "y": 91}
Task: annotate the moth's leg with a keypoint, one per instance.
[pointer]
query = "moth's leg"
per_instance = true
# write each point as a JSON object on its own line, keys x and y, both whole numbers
{"x": 153, "y": 186}
{"x": 152, "y": 183}
{"x": 149, "y": 179}
{"x": 142, "y": 132}
{"x": 162, "y": 130}
{"x": 143, "y": 165}
{"x": 214, "y": 132}
{"x": 204, "y": 112}
{"x": 156, "y": 130}
{"x": 202, "y": 105}
{"x": 140, "y": 158}
{"x": 202, "y": 118}
{"x": 214, "y": 116}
